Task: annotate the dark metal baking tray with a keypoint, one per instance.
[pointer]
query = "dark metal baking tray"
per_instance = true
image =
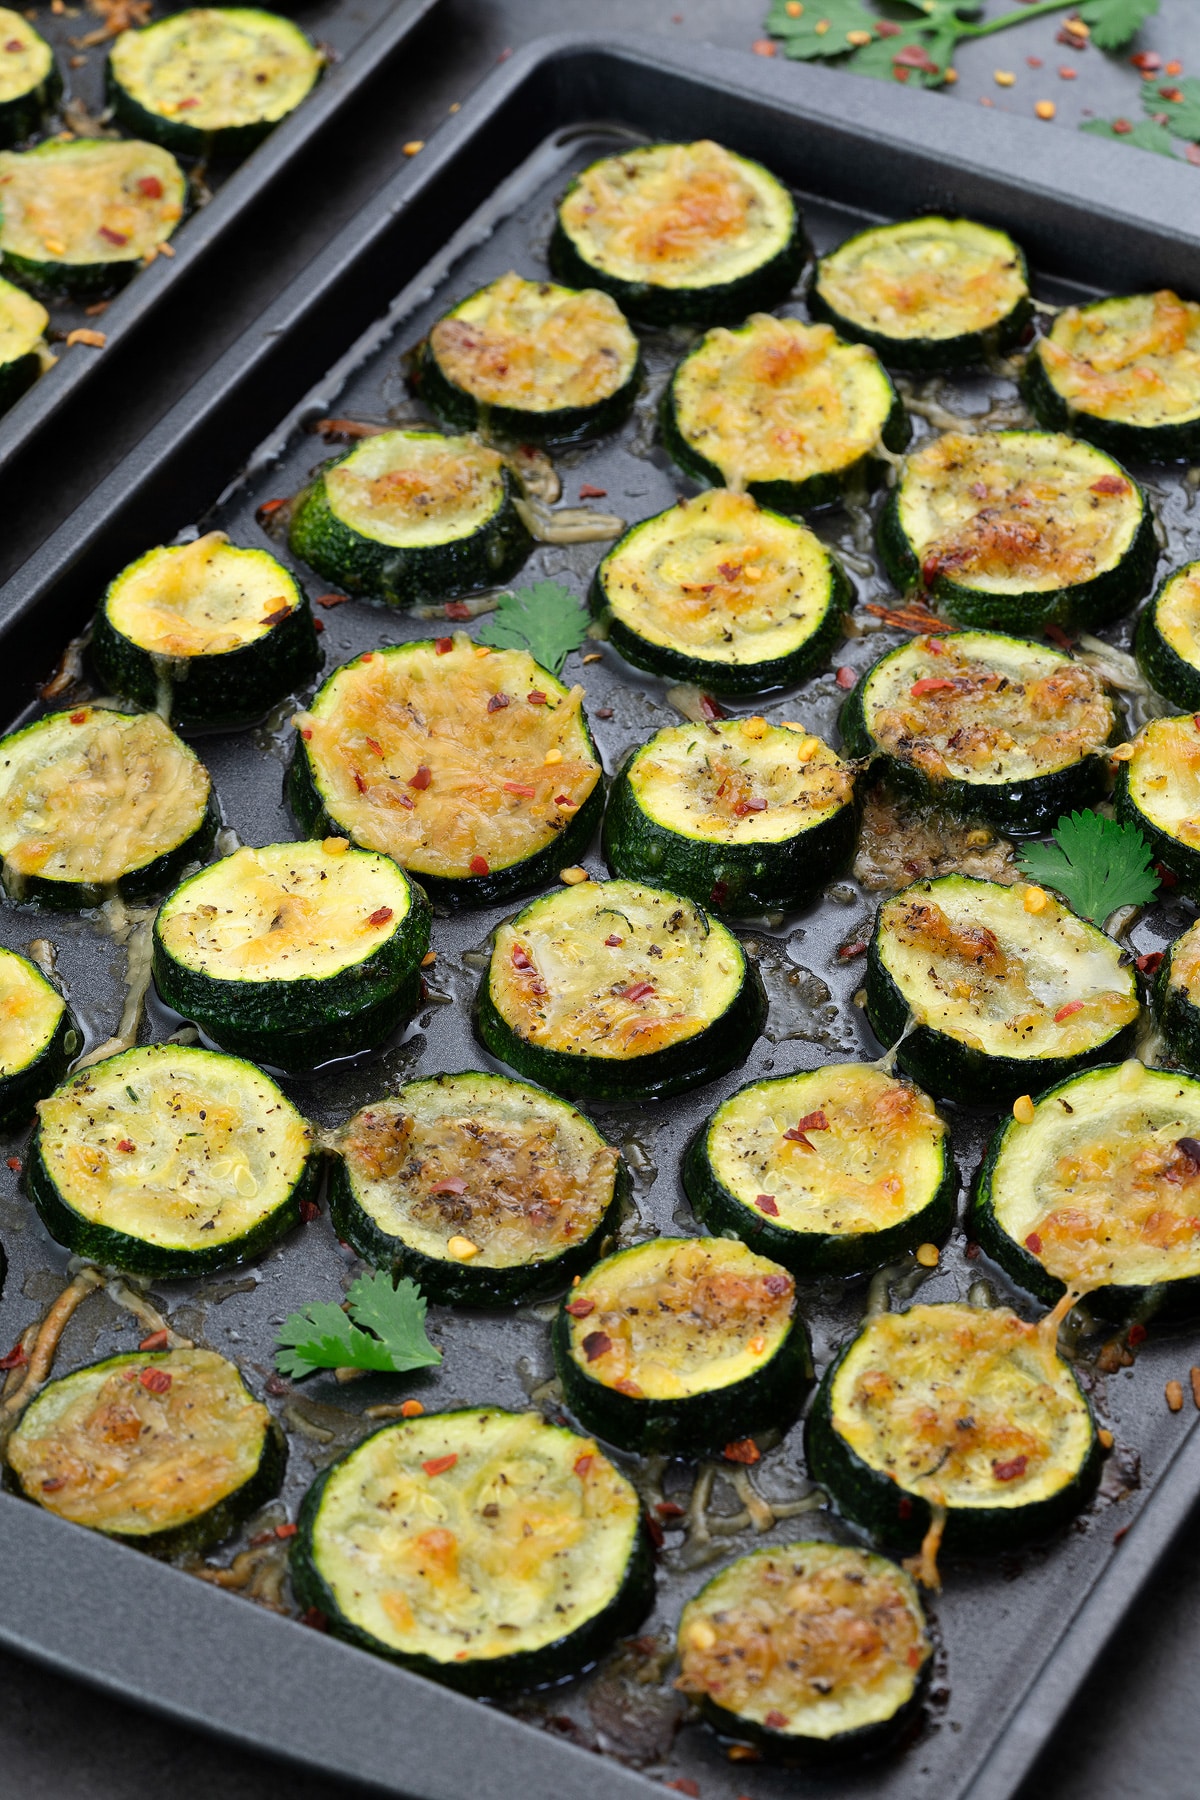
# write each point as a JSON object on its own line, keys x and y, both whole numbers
{"x": 1015, "y": 1638}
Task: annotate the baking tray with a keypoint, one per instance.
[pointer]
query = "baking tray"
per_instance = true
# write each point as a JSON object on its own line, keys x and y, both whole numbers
{"x": 1016, "y": 1638}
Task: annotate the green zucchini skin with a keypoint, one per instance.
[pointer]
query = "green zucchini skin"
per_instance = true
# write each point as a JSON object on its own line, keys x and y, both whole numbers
{"x": 22, "y": 116}
{"x": 1175, "y": 1012}
{"x": 1171, "y": 674}
{"x": 1179, "y": 859}
{"x": 21, "y": 1089}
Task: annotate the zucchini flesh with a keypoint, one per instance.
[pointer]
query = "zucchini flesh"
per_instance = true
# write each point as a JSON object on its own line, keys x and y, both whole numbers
{"x": 815, "y": 1647}
{"x": 985, "y": 724}
{"x": 38, "y": 1038}
{"x": 165, "y": 1450}
{"x": 830, "y": 1172}
{"x": 80, "y": 214}
{"x": 29, "y": 78}
{"x": 742, "y": 816}
{"x": 483, "y": 1189}
{"x": 477, "y": 773}
{"x": 682, "y": 1344}
{"x": 23, "y": 322}
{"x": 1177, "y": 999}
{"x": 720, "y": 590}
{"x": 94, "y": 802}
{"x": 997, "y": 999}
{"x": 489, "y": 1550}
{"x": 1167, "y": 641}
{"x": 170, "y": 1161}
{"x": 1158, "y": 790}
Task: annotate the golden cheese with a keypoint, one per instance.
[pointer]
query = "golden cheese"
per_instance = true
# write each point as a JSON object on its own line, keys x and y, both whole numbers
{"x": 411, "y": 489}
{"x": 30, "y": 1012}
{"x": 739, "y": 781}
{"x": 23, "y": 320}
{"x": 205, "y": 598}
{"x": 1134, "y": 360}
{"x": 1176, "y": 613}
{"x": 217, "y": 68}
{"x": 88, "y": 200}
{"x": 929, "y": 278}
{"x": 26, "y": 59}
{"x": 1164, "y": 776}
{"x": 535, "y": 346}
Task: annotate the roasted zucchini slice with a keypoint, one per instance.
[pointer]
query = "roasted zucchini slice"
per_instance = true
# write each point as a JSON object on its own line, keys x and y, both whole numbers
{"x": 170, "y": 1161}
{"x": 680, "y": 234}
{"x": 1177, "y": 999}
{"x": 1167, "y": 641}
{"x": 995, "y": 727}
{"x": 996, "y": 991}
{"x": 29, "y": 78}
{"x": 80, "y": 214}
{"x": 1125, "y": 373}
{"x": 615, "y": 991}
{"x": 784, "y": 411}
{"x": 743, "y": 816}
{"x": 23, "y": 322}
{"x": 165, "y": 1450}
{"x": 295, "y": 953}
{"x": 955, "y": 1407}
{"x": 1158, "y": 790}
{"x": 488, "y": 1549}
{"x": 682, "y": 1344}
{"x": 476, "y": 773}
{"x": 38, "y": 1038}
{"x": 1017, "y": 530}
{"x": 211, "y": 79}
{"x": 483, "y": 1189}
{"x": 410, "y": 516}
{"x": 1098, "y": 1193}
{"x": 531, "y": 361}
{"x": 95, "y": 802}
{"x": 831, "y": 1171}
{"x": 928, "y": 293}
{"x": 813, "y": 1651}
{"x": 719, "y": 590}
{"x": 212, "y": 634}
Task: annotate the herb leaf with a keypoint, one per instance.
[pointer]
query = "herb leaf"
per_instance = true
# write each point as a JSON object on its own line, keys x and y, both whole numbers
{"x": 803, "y": 38}
{"x": 1114, "y": 23}
{"x": 1145, "y": 135}
{"x": 1096, "y": 865}
{"x": 1183, "y": 115}
{"x": 323, "y": 1337}
{"x": 546, "y": 619}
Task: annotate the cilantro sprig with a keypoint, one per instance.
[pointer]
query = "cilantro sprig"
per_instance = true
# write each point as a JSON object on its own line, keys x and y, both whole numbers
{"x": 546, "y": 619}
{"x": 1096, "y": 865}
{"x": 384, "y": 1329}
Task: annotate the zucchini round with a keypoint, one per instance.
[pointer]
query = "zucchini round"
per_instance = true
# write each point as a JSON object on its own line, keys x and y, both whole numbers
{"x": 782, "y": 410}
{"x": 1017, "y": 530}
{"x": 995, "y": 727}
{"x": 966, "y": 1408}
{"x": 1177, "y": 999}
{"x": 211, "y": 79}
{"x": 531, "y": 361}
{"x": 812, "y": 1651}
{"x": 615, "y": 991}
{"x": 38, "y": 1038}
{"x": 23, "y": 322}
{"x": 743, "y": 816}
{"x": 1167, "y": 640}
{"x": 1158, "y": 790}
{"x": 486, "y": 1191}
{"x": 81, "y": 214}
{"x": 680, "y": 234}
{"x": 29, "y": 79}
{"x": 1124, "y": 373}
{"x": 831, "y": 1172}
{"x": 926, "y": 294}
{"x": 719, "y": 590}
{"x": 682, "y": 1345}
{"x": 166, "y": 1450}
{"x": 170, "y": 1161}
{"x": 1098, "y": 1192}
{"x": 95, "y": 802}
{"x": 487, "y": 1549}
{"x": 295, "y": 953}
{"x": 996, "y": 991}
{"x": 410, "y": 516}
{"x": 476, "y": 773}
{"x": 218, "y": 633}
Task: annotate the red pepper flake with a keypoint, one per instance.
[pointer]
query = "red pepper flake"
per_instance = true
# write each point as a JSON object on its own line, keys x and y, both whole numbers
{"x": 450, "y": 1184}
{"x": 521, "y": 958}
{"x": 315, "y": 1619}
{"x": 669, "y": 1509}
{"x": 16, "y": 1358}
{"x": 286, "y": 1531}
{"x": 478, "y": 865}
{"x": 1135, "y": 1335}
{"x": 14, "y": 44}
{"x": 637, "y": 990}
{"x": 443, "y": 646}
{"x": 155, "y": 1381}
{"x": 683, "y": 1784}
{"x": 766, "y": 1204}
{"x": 55, "y": 1482}
{"x": 1058, "y": 636}
{"x": 582, "y": 1465}
{"x": 1067, "y": 1011}
{"x": 269, "y": 507}
{"x": 729, "y": 571}
{"x": 1033, "y": 1242}
{"x": 158, "y": 1340}
{"x": 1066, "y": 73}
{"x": 14, "y": 1163}
{"x": 886, "y": 28}
{"x": 813, "y": 1121}
{"x": 596, "y": 1344}
{"x": 915, "y": 56}
{"x": 79, "y": 718}
{"x": 612, "y": 940}
{"x": 1011, "y": 1470}
{"x": 845, "y": 676}
{"x": 580, "y": 1309}
{"x": 306, "y": 734}
{"x": 359, "y": 783}
{"x": 318, "y": 624}
{"x": 120, "y": 238}
{"x": 711, "y": 709}
{"x": 776, "y": 1285}
{"x": 604, "y": 712}
{"x": 1119, "y": 1535}
{"x": 333, "y": 600}
{"x": 1122, "y": 127}
{"x": 422, "y": 778}
{"x": 309, "y": 1210}
{"x": 498, "y": 702}
{"x": 563, "y": 800}
{"x": 535, "y": 698}
{"x": 1148, "y": 61}
{"x": 380, "y": 916}
{"x": 775, "y": 1719}
{"x": 457, "y": 609}
{"x": 373, "y": 744}
{"x": 1174, "y": 67}
{"x": 654, "y": 1532}
{"x": 744, "y": 1450}
{"x": 1034, "y": 62}
{"x": 1110, "y": 484}
{"x": 437, "y": 1465}
{"x": 931, "y": 684}
{"x": 521, "y": 789}
{"x": 742, "y": 807}
{"x": 127, "y": 1146}
{"x": 720, "y": 893}
{"x": 1151, "y": 963}
{"x": 1168, "y": 877}
{"x": 588, "y": 491}
{"x": 847, "y": 952}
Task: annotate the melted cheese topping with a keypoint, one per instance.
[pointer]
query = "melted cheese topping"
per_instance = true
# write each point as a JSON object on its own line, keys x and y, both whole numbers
{"x": 505, "y": 774}
{"x": 557, "y": 980}
{"x": 986, "y": 708}
{"x": 200, "y": 599}
{"x": 213, "y": 68}
{"x": 416, "y": 488}
{"x": 90, "y": 200}
{"x": 1164, "y": 776}
{"x": 518, "y": 1175}
{"x": 720, "y": 578}
{"x": 206, "y": 1151}
{"x": 971, "y": 962}
{"x": 811, "y": 1640}
{"x": 777, "y": 400}
{"x": 522, "y": 1539}
{"x": 1133, "y": 361}
{"x": 678, "y": 215}
{"x": 1097, "y": 1187}
{"x": 26, "y": 59}
{"x": 742, "y": 781}
{"x": 677, "y": 1317}
{"x": 289, "y": 912}
{"x": 102, "y": 1449}
{"x": 91, "y": 795}
{"x": 1184, "y": 969}
{"x": 966, "y": 1406}
{"x": 926, "y": 278}
{"x": 535, "y": 347}
{"x": 22, "y": 319}
{"x": 878, "y": 1157}
{"x": 1016, "y": 512}
{"x": 30, "y": 1011}
{"x": 1177, "y": 613}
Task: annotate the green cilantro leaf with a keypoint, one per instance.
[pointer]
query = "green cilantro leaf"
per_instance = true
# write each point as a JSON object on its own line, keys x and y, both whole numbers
{"x": 324, "y": 1337}
{"x": 545, "y": 619}
{"x": 1183, "y": 115}
{"x": 1115, "y": 23}
{"x": 1096, "y": 865}
{"x": 1145, "y": 135}
{"x": 821, "y": 29}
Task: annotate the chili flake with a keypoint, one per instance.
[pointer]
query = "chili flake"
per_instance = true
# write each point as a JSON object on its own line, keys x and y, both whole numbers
{"x": 1011, "y": 1470}
{"x": 443, "y": 646}
{"x": 766, "y": 1204}
{"x": 579, "y": 1309}
{"x": 498, "y": 702}
{"x": 158, "y": 1340}
{"x": 479, "y": 865}
{"x": 744, "y": 1450}
{"x": 438, "y": 1465}
{"x": 155, "y": 1381}
{"x": 596, "y": 1344}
